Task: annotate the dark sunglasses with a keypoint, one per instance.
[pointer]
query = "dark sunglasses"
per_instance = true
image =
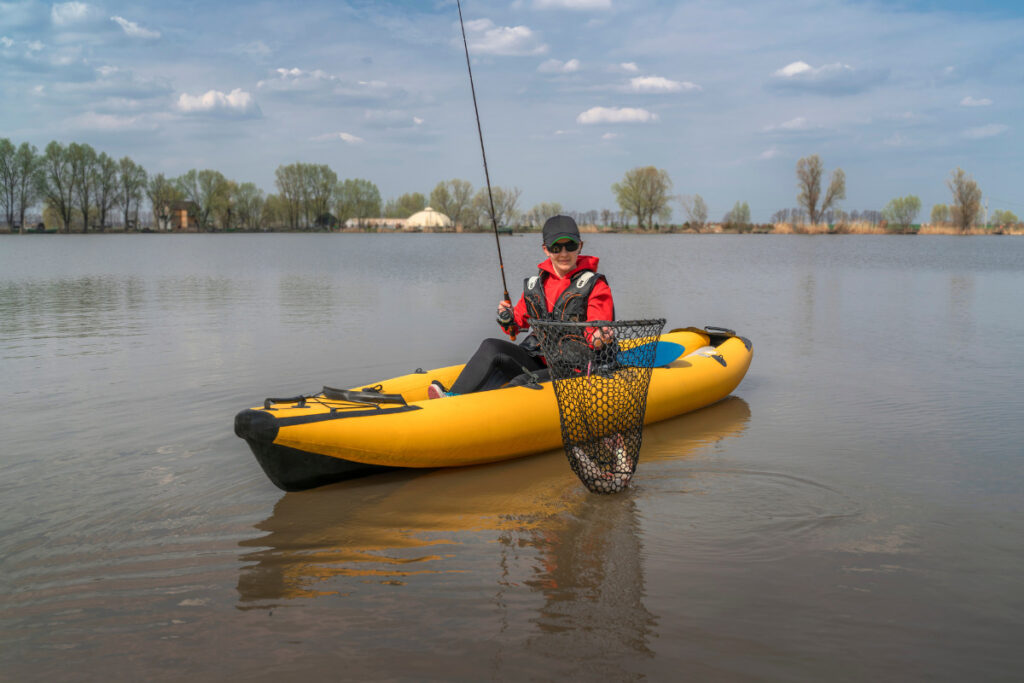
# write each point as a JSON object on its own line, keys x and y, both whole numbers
{"x": 568, "y": 246}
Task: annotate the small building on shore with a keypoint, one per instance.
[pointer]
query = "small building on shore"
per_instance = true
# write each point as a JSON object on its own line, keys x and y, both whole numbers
{"x": 427, "y": 220}
{"x": 180, "y": 216}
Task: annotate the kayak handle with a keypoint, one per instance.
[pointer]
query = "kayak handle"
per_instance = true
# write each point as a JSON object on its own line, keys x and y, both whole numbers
{"x": 362, "y": 396}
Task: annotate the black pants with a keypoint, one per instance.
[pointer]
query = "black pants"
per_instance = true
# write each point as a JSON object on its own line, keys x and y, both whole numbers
{"x": 494, "y": 364}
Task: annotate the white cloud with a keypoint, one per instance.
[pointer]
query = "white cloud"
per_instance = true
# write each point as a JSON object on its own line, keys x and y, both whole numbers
{"x": 769, "y": 153}
{"x": 572, "y": 4}
{"x": 255, "y": 49}
{"x": 486, "y": 38}
{"x": 629, "y": 66}
{"x": 323, "y": 86}
{"x": 390, "y": 118}
{"x": 659, "y": 84}
{"x": 972, "y": 102}
{"x": 615, "y": 115}
{"x": 609, "y": 136}
{"x": 65, "y": 13}
{"x": 798, "y": 123}
{"x": 94, "y": 121}
{"x": 344, "y": 137}
{"x": 829, "y": 79}
{"x": 793, "y": 69}
{"x": 557, "y": 66}
{"x": 991, "y": 130}
{"x": 134, "y": 30}
{"x": 296, "y": 79}
{"x": 7, "y": 43}
{"x": 237, "y": 103}
{"x": 895, "y": 140}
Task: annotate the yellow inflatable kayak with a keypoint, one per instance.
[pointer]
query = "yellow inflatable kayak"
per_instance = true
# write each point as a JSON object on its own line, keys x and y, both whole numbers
{"x": 307, "y": 441}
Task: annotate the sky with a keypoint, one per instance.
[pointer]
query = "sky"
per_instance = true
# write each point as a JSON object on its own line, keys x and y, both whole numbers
{"x": 724, "y": 96}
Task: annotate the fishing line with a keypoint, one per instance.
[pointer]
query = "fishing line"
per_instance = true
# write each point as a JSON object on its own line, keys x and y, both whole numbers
{"x": 487, "y": 175}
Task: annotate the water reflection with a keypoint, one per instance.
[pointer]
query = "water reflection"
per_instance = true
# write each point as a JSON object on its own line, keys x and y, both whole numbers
{"x": 807, "y": 311}
{"x": 307, "y": 300}
{"x": 961, "y": 304}
{"x": 215, "y": 294}
{"x": 95, "y": 306}
{"x": 107, "y": 307}
{"x": 395, "y": 527}
{"x": 590, "y": 573}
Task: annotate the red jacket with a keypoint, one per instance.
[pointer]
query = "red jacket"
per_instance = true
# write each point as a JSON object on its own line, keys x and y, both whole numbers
{"x": 599, "y": 306}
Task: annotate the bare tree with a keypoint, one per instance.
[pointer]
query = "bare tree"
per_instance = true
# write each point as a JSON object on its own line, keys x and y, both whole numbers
{"x": 966, "y": 199}
{"x": 18, "y": 180}
{"x": 738, "y": 217}
{"x": 453, "y": 198}
{"x": 249, "y": 204}
{"x": 356, "y": 198}
{"x": 7, "y": 151}
{"x": 223, "y": 207}
{"x": 83, "y": 161}
{"x": 405, "y": 205}
{"x": 105, "y": 183}
{"x": 644, "y": 192}
{"x": 131, "y": 184}
{"x": 162, "y": 194}
{"x": 809, "y": 174}
{"x": 902, "y": 211}
{"x": 696, "y": 210}
{"x": 56, "y": 182}
{"x": 320, "y": 182}
{"x": 207, "y": 189}
{"x": 940, "y": 214}
{"x": 536, "y": 216}
{"x": 290, "y": 191}
{"x": 26, "y": 169}
{"x": 505, "y": 211}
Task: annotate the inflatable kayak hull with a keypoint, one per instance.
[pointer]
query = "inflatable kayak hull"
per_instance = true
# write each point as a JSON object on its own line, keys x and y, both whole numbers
{"x": 308, "y": 441}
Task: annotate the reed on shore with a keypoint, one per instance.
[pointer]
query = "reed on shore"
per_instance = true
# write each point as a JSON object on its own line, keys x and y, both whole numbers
{"x": 865, "y": 228}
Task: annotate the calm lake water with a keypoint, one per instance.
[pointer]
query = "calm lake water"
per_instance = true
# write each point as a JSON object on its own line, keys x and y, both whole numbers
{"x": 853, "y": 512}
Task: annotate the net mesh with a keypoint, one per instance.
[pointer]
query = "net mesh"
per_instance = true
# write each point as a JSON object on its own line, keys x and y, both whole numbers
{"x": 601, "y": 372}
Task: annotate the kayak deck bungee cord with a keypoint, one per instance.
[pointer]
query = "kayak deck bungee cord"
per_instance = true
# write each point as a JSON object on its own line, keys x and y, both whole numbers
{"x": 307, "y": 441}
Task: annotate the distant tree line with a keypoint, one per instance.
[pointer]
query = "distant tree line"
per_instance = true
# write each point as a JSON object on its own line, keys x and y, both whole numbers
{"x": 82, "y": 189}
{"x": 646, "y": 193}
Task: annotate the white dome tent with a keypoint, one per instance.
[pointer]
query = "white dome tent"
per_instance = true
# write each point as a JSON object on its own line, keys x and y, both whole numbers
{"x": 428, "y": 220}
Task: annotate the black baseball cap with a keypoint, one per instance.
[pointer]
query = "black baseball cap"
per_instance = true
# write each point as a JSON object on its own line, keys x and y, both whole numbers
{"x": 558, "y": 228}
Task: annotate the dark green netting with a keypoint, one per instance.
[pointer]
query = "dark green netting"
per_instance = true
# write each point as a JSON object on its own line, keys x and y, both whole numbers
{"x": 601, "y": 372}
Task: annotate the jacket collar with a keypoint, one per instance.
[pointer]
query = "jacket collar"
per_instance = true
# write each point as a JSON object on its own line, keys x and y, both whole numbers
{"x": 584, "y": 262}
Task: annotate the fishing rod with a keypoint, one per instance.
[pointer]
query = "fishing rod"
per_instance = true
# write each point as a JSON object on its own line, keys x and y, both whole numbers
{"x": 487, "y": 175}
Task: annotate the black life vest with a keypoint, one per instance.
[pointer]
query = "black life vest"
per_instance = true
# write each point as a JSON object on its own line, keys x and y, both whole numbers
{"x": 571, "y": 305}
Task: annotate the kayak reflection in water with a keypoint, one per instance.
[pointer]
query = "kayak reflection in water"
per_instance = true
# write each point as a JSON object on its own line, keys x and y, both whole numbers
{"x": 566, "y": 288}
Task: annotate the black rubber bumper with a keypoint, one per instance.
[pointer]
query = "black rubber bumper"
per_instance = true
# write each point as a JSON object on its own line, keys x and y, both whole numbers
{"x": 289, "y": 468}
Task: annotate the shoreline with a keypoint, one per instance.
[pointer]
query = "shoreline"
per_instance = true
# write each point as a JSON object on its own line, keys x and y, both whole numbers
{"x": 781, "y": 229}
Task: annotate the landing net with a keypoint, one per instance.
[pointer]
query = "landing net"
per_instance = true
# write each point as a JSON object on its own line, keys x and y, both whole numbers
{"x": 601, "y": 372}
